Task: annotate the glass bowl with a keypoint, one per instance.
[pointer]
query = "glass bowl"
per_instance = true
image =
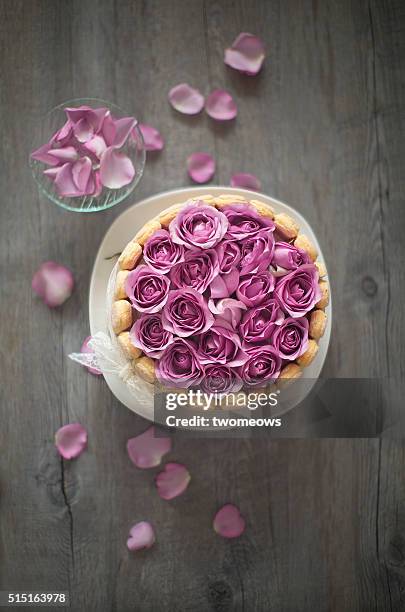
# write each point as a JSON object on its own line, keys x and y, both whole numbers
{"x": 134, "y": 148}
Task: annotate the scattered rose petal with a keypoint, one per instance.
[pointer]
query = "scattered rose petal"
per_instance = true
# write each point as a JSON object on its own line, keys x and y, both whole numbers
{"x": 87, "y": 349}
{"x": 173, "y": 481}
{"x": 201, "y": 167}
{"x": 246, "y": 181}
{"x": 151, "y": 137}
{"x": 96, "y": 145}
{"x": 228, "y": 522}
{"x": 220, "y": 105}
{"x": 71, "y": 440}
{"x": 53, "y": 283}
{"x": 146, "y": 451}
{"x": 246, "y": 54}
{"x": 116, "y": 169}
{"x": 141, "y": 536}
{"x": 186, "y": 99}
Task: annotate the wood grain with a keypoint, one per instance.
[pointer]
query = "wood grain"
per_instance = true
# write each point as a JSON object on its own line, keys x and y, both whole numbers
{"x": 323, "y": 127}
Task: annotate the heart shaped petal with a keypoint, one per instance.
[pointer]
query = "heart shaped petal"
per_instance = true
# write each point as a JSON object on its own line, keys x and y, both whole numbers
{"x": 228, "y": 522}
{"x": 173, "y": 481}
{"x": 116, "y": 169}
{"x": 141, "y": 536}
{"x": 146, "y": 450}
{"x": 246, "y": 54}
{"x": 123, "y": 128}
{"x": 53, "y": 283}
{"x": 220, "y": 105}
{"x": 201, "y": 167}
{"x": 87, "y": 349}
{"x": 186, "y": 99}
{"x": 71, "y": 440}
{"x": 151, "y": 137}
{"x": 246, "y": 181}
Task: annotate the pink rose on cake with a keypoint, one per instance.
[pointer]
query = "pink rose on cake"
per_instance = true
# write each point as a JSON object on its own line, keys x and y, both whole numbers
{"x": 288, "y": 256}
{"x": 179, "y": 365}
{"x": 149, "y": 335}
{"x": 298, "y": 291}
{"x": 244, "y": 222}
{"x": 197, "y": 270}
{"x": 263, "y": 365}
{"x": 220, "y": 378}
{"x": 257, "y": 252}
{"x": 161, "y": 253}
{"x": 259, "y": 324}
{"x": 186, "y": 313}
{"x": 147, "y": 290}
{"x": 221, "y": 345}
{"x": 290, "y": 339}
{"x": 256, "y": 289}
{"x": 198, "y": 225}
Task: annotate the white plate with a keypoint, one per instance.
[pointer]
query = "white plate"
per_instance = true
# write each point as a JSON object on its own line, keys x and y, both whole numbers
{"x": 122, "y": 231}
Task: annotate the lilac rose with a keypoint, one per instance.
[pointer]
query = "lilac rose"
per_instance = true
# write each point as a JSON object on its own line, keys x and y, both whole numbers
{"x": 161, "y": 253}
{"x": 245, "y": 222}
{"x": 228, "y": 311}
{"x": 288, "y": 256}
{"x": 148, "y": 334}
{"x": 198, "y": 225}
{"x": 220, "y": 345}
{"x": 298, "y": 291}
{"x": 291, "y": 338}
{"x": 228, "y": 255}
{"x": 263, "y": 365}
{"x": 257, "y": 252}
{"x": 256, "y": 289}
{"x": 220, "y": 378}
{"x": 179, "y": 365}
{"x": 197, "y": 270}
{"x": 186, "y": 313}
{"x": 259, "y": 324}
{"x": 147, "y": 290}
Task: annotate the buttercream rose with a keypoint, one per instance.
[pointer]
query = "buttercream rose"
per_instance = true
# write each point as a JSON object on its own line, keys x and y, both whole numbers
{"x": 220, "y": 345}
{"x": 161, "y": 253}
{"x": 147, "y": 290}
{"x": 220, "y": 378}
{"x": 257, "y": 252}
{"x": 259, "y": 324}
{"x": 256, "y": 289}
{"x": 197, "y": 270}
{"x": 179, "y": 365}
{"x": 263, "y": 365}
{"x": 186, "y": 313}
{"x": 288, "y": 256}
{"x": 298, "y": 291}
{"x": 291, "y": 338}
{"x": 245, "y": 222}
{"x": 148, "y": 334}
{"x": 198, "y": 225}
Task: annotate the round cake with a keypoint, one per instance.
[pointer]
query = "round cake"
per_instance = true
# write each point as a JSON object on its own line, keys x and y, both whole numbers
{"x": 219, "y": 293}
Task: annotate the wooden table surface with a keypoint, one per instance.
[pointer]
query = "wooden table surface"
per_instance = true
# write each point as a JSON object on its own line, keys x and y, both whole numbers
{"x": 323, "y": 128}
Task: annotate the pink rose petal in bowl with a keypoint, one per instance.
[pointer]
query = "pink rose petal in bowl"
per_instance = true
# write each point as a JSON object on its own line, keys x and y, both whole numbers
{"x": 246, "y": 54}
{"x": 71, "y": 440}
{"x": 201, "y": 167}
{"x": 141, "y": 536}
{"x": 146, "y": 450}
{"x": 246, "y": 181}
{"x": 186, "y": 99}
{"x": 173, "y": 481}
{"x": 228, "y": 522}
{"x": 220, "y": 105}
{"x": 53, "y": 283}
{"x": 87, "y": 349}
{"x": 116, "y": 169}
{"x": 151, "y": 137}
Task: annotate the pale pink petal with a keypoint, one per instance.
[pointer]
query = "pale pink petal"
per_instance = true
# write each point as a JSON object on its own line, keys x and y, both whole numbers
{"x": 64, "y": 182}
{"x": 123, "y": 128}
{"x": 71, "y": 440}
{"x": 227, "y": 309}
{"x": 83, "y": 130}
{"x": 173, "y": 481}
{"x": 151, "y": 137}
{"x": 116, "y": 169}
{"x": 220, "y": 105}
{"x": 246, "y": 54}
{"x": 186, "y": 99}
{"x": 96, "y": 145}
{"x": 146, "y": 450}
{"x": 87, "y": 349}
{"x": 246, "y": 181}
{"x": 42, "y": 155}
{"x": 51, "y": 172}
{"x": 64, "y": 154}
{"x": 228, "y": 522}
{"x": 53, "y": 283}
{"x": 64, "y": 132}
{"x": 81, "y": 171}
{"x": 108, "y": 129}
{"x": 141, "y": 536}
{"x": 223, "y": 285}
{"x": 201, "y": 167}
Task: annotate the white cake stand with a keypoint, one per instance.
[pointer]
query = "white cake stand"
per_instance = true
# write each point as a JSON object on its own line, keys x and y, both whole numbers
{"x": 123, "y": 230}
